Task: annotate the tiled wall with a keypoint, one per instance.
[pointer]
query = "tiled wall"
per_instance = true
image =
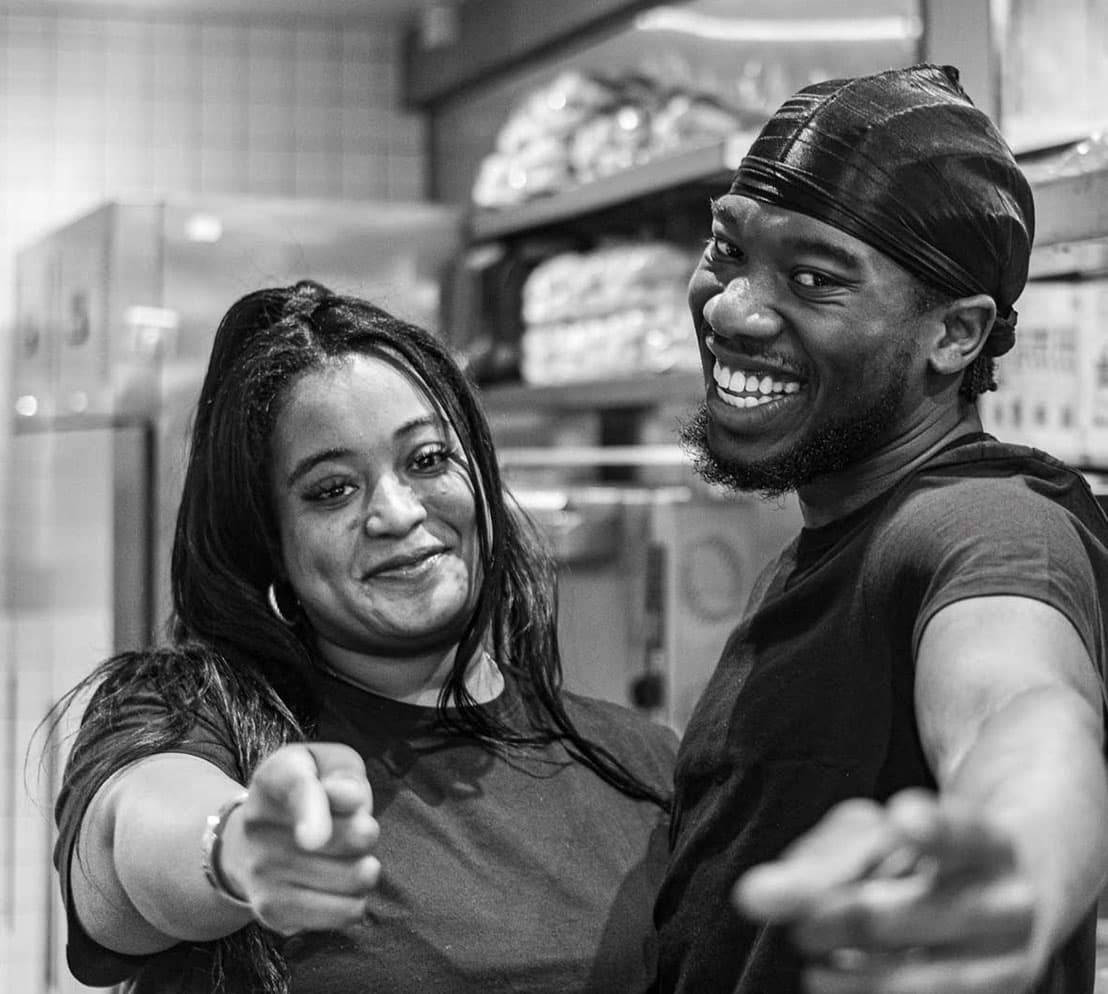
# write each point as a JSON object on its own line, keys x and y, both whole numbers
{"x": 95, "y": 106}
{"x": 91, "y": 107}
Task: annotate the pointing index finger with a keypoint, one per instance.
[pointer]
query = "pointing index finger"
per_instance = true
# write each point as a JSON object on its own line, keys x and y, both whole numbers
{"x": 342, "y": 772}
{"x": 951, "y": 838}
{"x": 289, "y": 781}
{"x": 843, "y": 848}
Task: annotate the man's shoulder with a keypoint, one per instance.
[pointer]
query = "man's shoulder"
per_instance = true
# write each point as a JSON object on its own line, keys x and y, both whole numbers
{"x": 986, "y": 457}
{"x": 986, "y": 507}
{"x": 988, "y": 480}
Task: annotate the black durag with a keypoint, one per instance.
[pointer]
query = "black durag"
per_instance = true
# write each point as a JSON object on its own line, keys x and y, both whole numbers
{"x": 904, "y": 161}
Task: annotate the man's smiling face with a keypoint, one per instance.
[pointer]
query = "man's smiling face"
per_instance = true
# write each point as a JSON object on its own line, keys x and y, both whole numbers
{"x": 811, "y": 350}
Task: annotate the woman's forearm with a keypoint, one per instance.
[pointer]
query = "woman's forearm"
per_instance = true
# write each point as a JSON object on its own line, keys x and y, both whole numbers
{"x": 137, "y": 878}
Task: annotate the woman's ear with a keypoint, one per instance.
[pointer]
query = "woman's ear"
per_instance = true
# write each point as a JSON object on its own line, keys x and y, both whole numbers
{"x": 276, "y": 559}
{"x": 965, "y": 326}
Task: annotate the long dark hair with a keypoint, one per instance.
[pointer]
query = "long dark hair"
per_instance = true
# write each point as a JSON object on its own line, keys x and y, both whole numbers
{"x": 228, "y": 648}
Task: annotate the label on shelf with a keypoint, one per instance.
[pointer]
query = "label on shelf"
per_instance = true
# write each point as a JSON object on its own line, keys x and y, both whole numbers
{"x": 1092, "y": 298}
{"x": 1039, "y": 388}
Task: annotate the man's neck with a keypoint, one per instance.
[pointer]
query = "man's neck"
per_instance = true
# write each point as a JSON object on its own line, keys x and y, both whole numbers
{"x": 831, "y": 497}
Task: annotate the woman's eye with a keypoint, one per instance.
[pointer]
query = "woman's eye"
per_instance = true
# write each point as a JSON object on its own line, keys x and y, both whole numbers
{"x": 429, "y": 458}
{"x": 330, "y": 490}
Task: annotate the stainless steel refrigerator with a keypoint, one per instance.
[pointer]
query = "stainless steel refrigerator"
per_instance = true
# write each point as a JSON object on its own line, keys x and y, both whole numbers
{"x": 115, "y": 315}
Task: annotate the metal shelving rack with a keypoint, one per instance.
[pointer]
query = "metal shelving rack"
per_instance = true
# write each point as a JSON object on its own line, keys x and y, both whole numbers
{"x": 1071, "y": 226}
{"x": 1071, "y": 209}
{"x": 696, "y": 165}
{"x": 636, "y": 391}
{"x": 1071, "y": 237}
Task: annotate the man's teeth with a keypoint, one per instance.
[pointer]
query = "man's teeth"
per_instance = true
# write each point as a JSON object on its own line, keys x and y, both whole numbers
{"x": 749, "y": 389}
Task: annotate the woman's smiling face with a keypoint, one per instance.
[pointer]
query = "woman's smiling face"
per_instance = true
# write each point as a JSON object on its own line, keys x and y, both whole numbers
{"x": 375, "y": 510}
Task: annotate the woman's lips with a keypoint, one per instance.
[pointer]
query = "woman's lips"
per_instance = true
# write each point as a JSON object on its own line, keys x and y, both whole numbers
{"x": 408, "y": 564}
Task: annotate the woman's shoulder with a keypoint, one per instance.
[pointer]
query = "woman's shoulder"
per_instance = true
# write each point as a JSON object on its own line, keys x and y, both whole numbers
{"x": 189, "y": 670}
{"x": 166, "y": 696}
{"x": 152, "y": 664}
{"x": 617, "y": 726}
{"x": 151, "y": 679}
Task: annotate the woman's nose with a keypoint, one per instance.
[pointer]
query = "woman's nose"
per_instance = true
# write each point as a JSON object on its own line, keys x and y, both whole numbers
{"x": 742, "y": 309}
{"x": 394, "y": 508}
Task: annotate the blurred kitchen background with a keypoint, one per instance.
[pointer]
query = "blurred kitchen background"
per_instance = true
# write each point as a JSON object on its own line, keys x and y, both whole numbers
{"x": 529, "y": 179}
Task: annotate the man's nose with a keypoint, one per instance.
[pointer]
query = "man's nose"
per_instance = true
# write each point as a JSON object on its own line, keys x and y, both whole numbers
{"x": 743, "y": 310}
{"x": 394, "y": 507}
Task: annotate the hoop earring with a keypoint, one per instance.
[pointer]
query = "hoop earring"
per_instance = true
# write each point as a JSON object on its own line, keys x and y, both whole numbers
{"x": 271, "y": 596}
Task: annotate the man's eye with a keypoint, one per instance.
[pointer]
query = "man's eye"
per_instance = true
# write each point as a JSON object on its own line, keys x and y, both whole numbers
{"x": 720, "y": 246}
{"x": 814, "y": 281}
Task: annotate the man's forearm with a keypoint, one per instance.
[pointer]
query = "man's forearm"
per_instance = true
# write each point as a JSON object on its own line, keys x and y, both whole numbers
{"x": 1036, "y": 769}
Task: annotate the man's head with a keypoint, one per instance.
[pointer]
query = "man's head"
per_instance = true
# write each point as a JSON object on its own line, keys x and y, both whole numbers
{"x": 905, "y": 162}
{"x": 861, "y": 209}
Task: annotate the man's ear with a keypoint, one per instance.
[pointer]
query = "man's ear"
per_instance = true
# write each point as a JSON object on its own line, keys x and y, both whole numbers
{"x": 964, "y": 326}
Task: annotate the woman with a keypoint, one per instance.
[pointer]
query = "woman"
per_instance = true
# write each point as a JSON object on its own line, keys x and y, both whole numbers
{"x": 352, "y": 768}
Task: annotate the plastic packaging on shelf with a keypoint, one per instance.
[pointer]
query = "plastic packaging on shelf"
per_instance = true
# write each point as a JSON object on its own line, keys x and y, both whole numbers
{"x": 616, "y": 311}
{"x": 686, "y": 119}
{"x": 580, "y": 128}
{"x": 531, "y": 157}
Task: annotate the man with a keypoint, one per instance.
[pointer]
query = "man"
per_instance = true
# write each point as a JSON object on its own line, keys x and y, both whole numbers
{"x": 899, "y": 757}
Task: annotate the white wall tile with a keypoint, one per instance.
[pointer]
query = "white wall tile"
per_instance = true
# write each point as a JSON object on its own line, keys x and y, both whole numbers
{"x": 127, "y": 104}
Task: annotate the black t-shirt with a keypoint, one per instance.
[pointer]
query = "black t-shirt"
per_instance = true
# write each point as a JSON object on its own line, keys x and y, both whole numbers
{"x": 516, "y": 871}
{"x": 812, "y": 700}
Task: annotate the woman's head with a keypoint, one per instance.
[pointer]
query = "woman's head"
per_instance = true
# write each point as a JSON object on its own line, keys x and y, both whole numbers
{"x": 374, "y": 509}
{"x": 319, "y": 411}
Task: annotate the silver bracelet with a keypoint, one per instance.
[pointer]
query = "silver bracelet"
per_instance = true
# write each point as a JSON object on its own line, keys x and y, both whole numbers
{"x": 210, "y": 845}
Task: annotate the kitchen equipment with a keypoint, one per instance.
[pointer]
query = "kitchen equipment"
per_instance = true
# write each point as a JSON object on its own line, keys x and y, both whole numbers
{"x": 115, "y": 314}
{"x": 651, "y": 582}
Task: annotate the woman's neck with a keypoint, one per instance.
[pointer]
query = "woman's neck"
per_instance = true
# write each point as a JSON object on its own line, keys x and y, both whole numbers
{"x": 414, "y": 680}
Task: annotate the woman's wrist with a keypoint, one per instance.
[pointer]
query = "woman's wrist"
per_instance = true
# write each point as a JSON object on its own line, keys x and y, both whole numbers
{"x": 213, "y": 850}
